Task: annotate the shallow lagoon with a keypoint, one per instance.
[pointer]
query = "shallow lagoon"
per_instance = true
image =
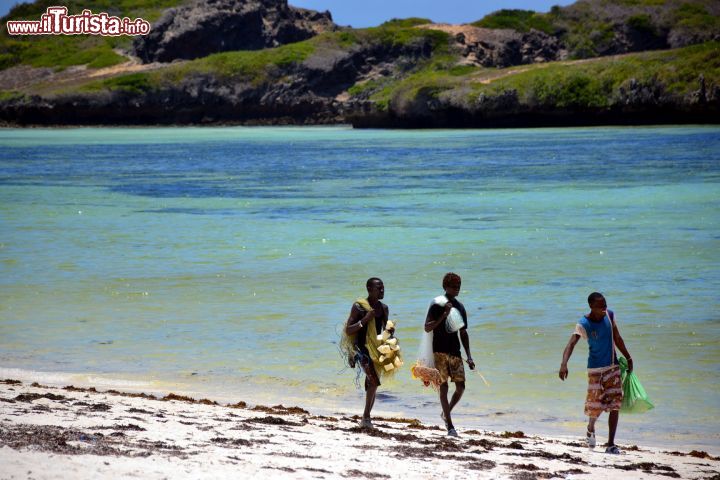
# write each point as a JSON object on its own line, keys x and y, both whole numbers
{"x": 223, "y": 261}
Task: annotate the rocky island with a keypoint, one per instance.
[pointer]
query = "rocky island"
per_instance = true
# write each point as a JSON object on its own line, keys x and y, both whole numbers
{"x": 264, "y": 62}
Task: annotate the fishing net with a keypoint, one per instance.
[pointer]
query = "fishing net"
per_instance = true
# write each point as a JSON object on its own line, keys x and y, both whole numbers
{"x": 383, "y": 348}
{"x": 424, "y": 368}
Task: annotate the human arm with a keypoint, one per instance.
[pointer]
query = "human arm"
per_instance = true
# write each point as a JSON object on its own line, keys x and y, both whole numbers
{"x": 563, "y": 373}
{"x": 431, "y": 323}
{"x": 465, "y": 339}
{"x": 620, "y": 343}
{"x": 357, "y": 319}
{"x": 386, "y": 311}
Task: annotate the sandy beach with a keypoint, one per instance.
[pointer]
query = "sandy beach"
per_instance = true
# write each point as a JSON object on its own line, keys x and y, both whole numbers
{"x": 50, "y": 432}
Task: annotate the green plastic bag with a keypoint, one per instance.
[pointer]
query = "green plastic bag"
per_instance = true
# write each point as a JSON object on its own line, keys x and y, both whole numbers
{"x": 635, "y": 400}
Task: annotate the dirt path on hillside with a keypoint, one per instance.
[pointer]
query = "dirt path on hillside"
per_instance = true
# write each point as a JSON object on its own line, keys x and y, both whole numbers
{"x": 24, "y": 78}
{"x": 486, "y": 77}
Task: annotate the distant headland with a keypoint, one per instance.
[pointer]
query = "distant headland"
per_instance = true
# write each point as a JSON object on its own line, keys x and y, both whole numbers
{"x": 264, "y": 62}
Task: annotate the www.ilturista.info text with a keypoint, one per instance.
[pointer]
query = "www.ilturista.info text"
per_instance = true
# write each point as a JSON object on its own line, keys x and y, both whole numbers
{"x": 56, "y": 21}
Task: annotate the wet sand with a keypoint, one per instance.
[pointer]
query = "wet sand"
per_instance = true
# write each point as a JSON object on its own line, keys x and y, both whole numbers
{"x": 51, "y": 432}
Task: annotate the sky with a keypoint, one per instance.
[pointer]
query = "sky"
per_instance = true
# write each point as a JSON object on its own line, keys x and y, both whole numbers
{"x": 370, "y": 13}
{"x": 6, "y": 5}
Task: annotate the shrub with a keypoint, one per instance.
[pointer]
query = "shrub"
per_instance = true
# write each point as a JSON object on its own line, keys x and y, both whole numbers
{"x": 134, "y": 82}
{"x": 695, "y": 16}
{"x": 8, "y": 95}
{"x": 462, "y": 70}
{"x": 641, "y": 23}
{"x": 520, "y": 20}
{"x": 401, "y": 37}
{"x": 406, "y": 22}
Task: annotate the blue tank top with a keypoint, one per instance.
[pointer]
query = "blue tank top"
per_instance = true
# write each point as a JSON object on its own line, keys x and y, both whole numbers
{"x": 599, "y": 337}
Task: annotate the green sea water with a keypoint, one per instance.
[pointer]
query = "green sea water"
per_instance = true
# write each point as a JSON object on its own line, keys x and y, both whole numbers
{"x": 223, "y": 262}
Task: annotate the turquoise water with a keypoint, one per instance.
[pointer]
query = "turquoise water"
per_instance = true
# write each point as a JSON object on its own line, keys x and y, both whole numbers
{"x": 223, "y": 262}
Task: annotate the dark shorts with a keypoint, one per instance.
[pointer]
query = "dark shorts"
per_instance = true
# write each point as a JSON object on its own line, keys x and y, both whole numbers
{"x": 371, "y": 376}
{"x": 450, "y": 367}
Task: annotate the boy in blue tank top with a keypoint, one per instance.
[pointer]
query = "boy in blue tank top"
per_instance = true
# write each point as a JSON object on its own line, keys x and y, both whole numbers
{"x": 604, "y": 386}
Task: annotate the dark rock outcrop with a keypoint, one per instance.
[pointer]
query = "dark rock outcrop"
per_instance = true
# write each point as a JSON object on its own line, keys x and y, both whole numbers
{"x": 637, "y": 94}
{"x": 507, "y": 48}
{"x": 502, "y": 47}
{"x": 683, "y": 36}
{"x": 203, "y": 27}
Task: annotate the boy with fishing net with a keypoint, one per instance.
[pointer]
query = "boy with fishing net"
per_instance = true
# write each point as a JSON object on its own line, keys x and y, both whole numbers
{"x": 445, "y": 318}
{"x": 368, "y": 342}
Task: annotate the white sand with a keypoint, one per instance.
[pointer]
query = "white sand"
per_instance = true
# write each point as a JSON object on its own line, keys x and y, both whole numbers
{"x": 52, "y": 433}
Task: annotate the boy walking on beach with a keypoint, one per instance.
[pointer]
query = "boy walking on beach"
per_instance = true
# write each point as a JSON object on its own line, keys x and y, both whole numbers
{"x": 604, "y": 392}
{"x": 362, "y": 313}
{"x": 446, "y": 347}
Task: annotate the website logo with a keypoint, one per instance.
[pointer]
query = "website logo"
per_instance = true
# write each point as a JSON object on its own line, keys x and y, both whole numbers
{"x": 56, "y": 21}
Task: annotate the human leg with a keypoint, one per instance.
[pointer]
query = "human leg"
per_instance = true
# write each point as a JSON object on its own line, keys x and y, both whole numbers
{"x": 370, "y": 393}
{"x": 456, "y": 372}
{"x": 441, "y": 364}
{"x": 446, "y": 410}
{"x": 445, "y": 404}
{"x": 590, "y": 436}
{"x": 612, "y": 401}
{"x": 591, "y": 424}
{"x": 459, "y": 390}
{"x": 593, "y": 406}
{"x": 613, "y": 419}
{"x": 372, "y": 382}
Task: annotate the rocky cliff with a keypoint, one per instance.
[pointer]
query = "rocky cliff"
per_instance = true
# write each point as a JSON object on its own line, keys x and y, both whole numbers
{"x": 203, "y": 27}
{"x": 501, "y": 47}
